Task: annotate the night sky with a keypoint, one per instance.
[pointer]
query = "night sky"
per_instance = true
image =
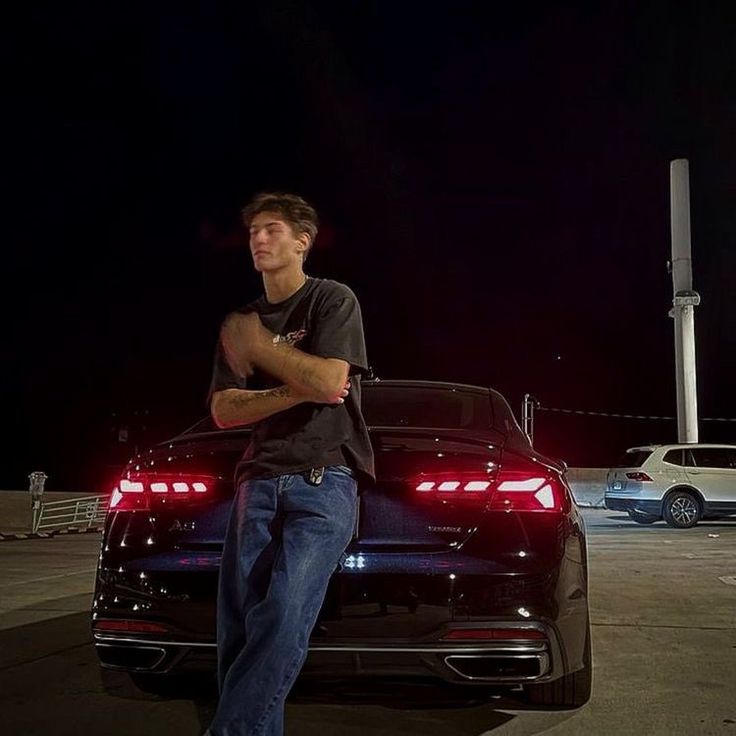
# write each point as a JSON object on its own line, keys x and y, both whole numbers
{"x": 493, "y": 182}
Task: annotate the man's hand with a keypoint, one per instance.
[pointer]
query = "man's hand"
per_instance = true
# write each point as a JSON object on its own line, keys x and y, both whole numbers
{"x": 243, "y": 337}
{"x": 247, "y": 344}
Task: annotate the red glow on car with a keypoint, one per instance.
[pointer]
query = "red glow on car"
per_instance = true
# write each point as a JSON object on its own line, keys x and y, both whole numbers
{"x": 137, "y": 491}
{"x": 527, "y": 487}
{"x": 128, "y": 625}
{"x": 494, "y": 634}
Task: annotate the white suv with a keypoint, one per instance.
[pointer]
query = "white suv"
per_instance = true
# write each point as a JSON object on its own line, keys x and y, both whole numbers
{"x": 678, "y": 483}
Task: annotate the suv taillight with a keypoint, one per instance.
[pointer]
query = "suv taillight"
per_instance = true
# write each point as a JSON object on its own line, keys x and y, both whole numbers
{"x": 137, "y": 492}
{"x": 641, "y": 477}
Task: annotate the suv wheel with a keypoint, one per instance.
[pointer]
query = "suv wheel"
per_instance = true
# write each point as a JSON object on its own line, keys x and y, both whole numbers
{"x": 681, "y": 510}
{"x": 641, "y": 518}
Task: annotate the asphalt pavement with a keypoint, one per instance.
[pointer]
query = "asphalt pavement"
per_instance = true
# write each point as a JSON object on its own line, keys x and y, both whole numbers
{"x": 663, "y": 608}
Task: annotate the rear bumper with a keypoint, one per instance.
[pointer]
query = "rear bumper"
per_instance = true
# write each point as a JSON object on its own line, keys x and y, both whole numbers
{"x": 478, "y": 662}
{"x": 387, "y": 614}
{"x": 644, "y": 506}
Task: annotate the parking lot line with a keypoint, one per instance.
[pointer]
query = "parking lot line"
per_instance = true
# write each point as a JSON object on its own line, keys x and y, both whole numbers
{"x": 49, "y": 577}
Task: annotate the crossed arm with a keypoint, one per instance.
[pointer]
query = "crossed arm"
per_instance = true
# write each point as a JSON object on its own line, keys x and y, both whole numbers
{"x": 247, "y": 343}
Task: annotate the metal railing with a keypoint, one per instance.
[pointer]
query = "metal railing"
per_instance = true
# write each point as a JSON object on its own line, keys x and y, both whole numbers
{"x": 87, "y": 511}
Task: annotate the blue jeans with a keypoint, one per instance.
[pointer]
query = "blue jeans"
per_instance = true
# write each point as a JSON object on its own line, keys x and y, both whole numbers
{"x": 284, "y": 540}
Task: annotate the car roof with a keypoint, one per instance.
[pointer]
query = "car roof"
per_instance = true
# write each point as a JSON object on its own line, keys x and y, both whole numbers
{"x": 495, "y": 396}
{"x": 682, "y": 446}
{"x": 414, "y": 383}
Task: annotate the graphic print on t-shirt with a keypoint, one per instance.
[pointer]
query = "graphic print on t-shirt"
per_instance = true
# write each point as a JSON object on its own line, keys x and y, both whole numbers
{"x": 291, "y": 338}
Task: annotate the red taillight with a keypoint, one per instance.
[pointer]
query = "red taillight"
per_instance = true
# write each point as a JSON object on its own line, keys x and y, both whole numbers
{"x": 526, "y": 488}
{"x": 126, "y": 625}
{"x": 641, "y": 477}
{"x": 533, "y": 489}
{"x": 137, "y": 491}
{"x": 447, "y": 486}
{"x": 494, "y": 634}
{"x": 460, "y": 487}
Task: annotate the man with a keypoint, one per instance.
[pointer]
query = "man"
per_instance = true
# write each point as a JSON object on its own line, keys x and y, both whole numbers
{"x": 289, "y": 364}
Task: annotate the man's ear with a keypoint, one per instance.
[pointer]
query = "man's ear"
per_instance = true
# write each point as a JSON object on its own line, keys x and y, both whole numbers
{"x": 304, "y": 242}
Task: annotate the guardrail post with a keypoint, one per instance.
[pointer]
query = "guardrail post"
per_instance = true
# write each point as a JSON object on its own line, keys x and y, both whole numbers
{"x": 92, "y": 511}
{"x": 37, "y": 479}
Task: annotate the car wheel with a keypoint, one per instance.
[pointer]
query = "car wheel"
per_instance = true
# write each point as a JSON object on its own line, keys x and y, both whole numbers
{"x": 640, "y": 518}
{"x": 569, "y": 691}
{"x": 681, "y": 510}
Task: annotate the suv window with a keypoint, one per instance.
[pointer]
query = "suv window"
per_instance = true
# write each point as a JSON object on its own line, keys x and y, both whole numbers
{"x": 633, "y": 458}
{"x": 714, "y": 457}
{"x": 673, "y": 457}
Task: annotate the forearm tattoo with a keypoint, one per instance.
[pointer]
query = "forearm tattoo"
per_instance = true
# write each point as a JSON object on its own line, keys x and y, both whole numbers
{"x": 295, "y": 364}
{"x": 252, "y": 406}
{"x": 246, "y": 399}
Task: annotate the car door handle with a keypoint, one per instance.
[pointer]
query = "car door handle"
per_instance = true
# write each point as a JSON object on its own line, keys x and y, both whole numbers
{"x": 694, "y": 472}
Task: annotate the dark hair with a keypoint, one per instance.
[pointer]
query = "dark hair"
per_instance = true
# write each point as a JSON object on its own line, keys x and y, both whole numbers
{"x": 296, "y": 211}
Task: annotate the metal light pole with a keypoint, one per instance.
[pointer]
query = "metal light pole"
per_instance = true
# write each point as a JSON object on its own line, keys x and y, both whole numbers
{"x": 684, "y": 302}
{"x": 527, "y": 416}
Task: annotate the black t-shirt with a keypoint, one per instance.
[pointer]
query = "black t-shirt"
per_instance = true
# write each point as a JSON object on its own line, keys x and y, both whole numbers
{"x": 321, "y": 318}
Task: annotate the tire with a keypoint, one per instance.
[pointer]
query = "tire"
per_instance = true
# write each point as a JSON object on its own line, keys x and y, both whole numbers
{"x": 568, "y": 691}
{"x": 641, "y": 518}
{"x": 681, "y": 510}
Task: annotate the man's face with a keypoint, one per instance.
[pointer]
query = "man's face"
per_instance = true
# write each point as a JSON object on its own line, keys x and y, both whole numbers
{"x": 273, "y": 244}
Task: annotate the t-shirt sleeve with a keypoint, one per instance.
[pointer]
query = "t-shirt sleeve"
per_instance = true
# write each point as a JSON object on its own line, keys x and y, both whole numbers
{"x": 223, "y": 375}
{"x": 337, "y": 331}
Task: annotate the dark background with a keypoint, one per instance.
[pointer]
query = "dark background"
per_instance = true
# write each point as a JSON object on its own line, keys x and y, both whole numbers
{"x": 494, "y": 185}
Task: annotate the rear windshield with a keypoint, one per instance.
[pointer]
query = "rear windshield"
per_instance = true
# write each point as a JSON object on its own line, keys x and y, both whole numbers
{"x": 207, "y": 424}
{"x": 407, "y": 406}
{"x": 633, "y": 458}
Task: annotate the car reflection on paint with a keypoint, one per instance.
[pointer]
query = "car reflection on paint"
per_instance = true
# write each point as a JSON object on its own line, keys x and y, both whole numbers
{"x": 468, "y": 562}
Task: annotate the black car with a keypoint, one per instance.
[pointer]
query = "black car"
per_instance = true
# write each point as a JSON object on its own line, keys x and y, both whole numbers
{"x": 468, "y": 561}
